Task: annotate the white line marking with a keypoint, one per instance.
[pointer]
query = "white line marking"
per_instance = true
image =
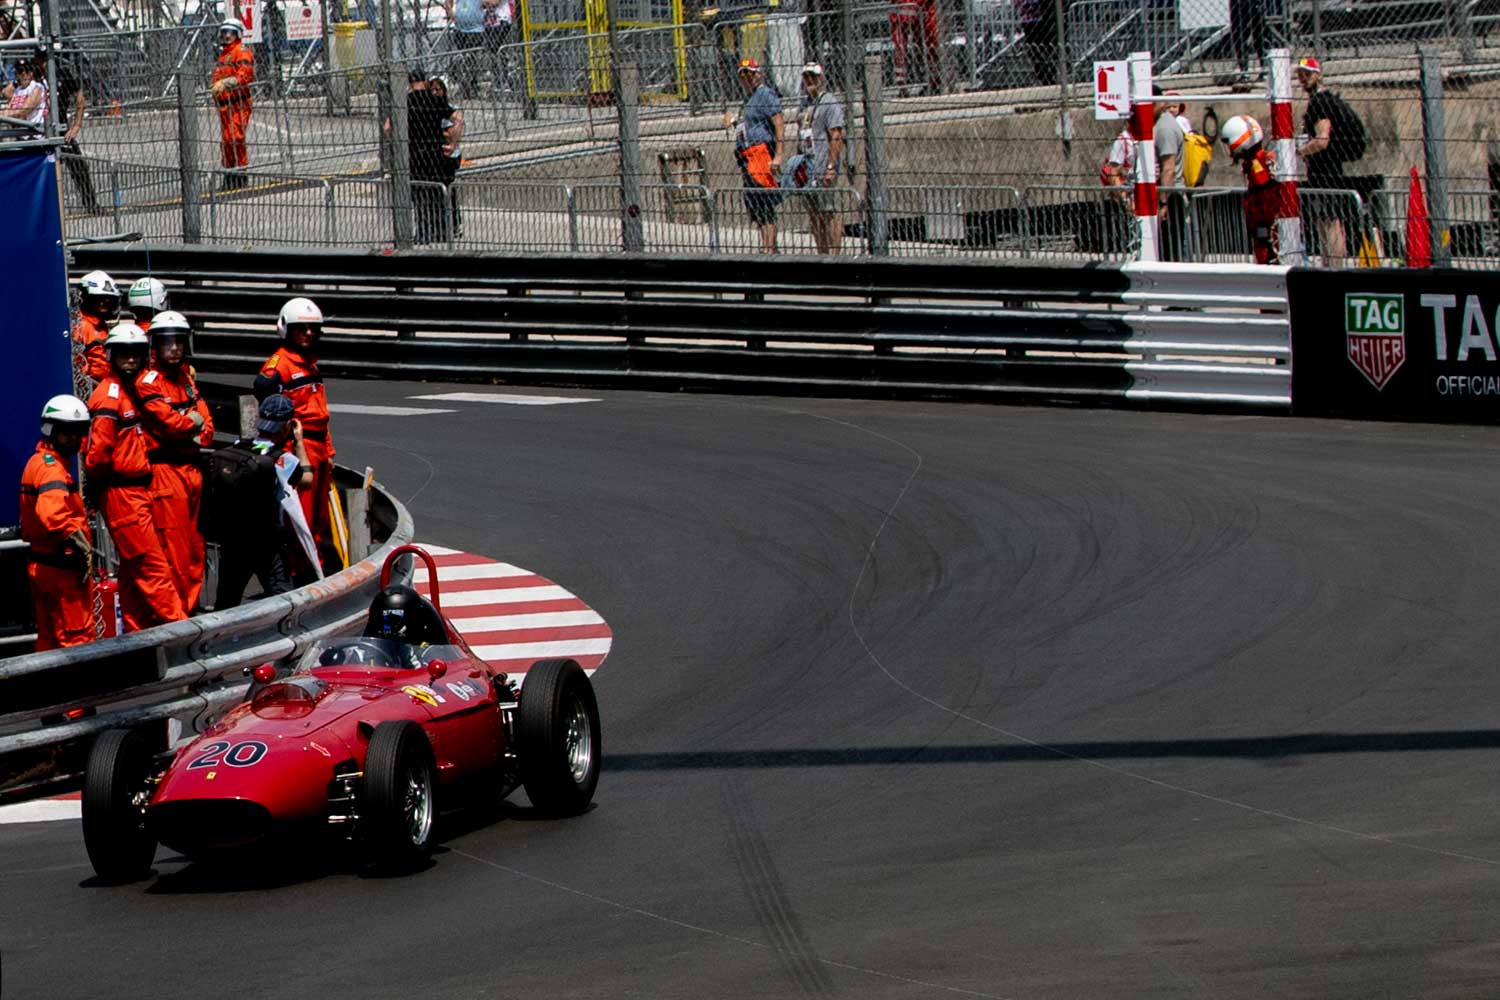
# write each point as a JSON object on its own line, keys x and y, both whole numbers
{"x": 539, "y": 650}
{"x": 439, "y": 550}
{"x": 514, "y": 399}
{"x": 41, "y": 811}
{"x": 479, "y": 571}
{"x": 541, "y": 619}
{"x": 515, "y": 595}
{"x": 383, "y": 411}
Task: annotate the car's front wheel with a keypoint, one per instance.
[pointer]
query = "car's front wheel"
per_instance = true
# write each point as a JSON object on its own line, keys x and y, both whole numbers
{"x": 116, "y": 789}
{"x": 399, "y": 802}
{"x": 557, "y": 736}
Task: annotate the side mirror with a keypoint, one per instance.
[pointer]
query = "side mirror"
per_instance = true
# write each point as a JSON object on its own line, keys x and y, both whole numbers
{"x": 436, "y": 669}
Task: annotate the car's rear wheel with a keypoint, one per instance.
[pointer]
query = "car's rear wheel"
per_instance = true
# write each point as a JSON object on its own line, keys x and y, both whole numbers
{"x": 557, "y": 737}
{"x": 116, "y": 789}
{"x": 399, "y": 802}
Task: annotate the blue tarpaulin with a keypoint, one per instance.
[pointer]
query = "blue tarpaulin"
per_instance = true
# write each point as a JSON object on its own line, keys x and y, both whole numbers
{"x": 35, "y": 327}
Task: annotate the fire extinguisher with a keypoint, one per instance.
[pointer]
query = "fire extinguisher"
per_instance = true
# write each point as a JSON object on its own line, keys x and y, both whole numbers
{"x": 107, "y": 593}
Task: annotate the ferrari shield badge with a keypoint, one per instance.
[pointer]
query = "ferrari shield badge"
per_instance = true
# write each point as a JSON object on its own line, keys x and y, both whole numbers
{"x": 1375, "y": 335}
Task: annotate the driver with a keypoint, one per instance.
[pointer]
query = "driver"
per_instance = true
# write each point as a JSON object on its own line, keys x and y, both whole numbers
{"x": 400, "y": 613}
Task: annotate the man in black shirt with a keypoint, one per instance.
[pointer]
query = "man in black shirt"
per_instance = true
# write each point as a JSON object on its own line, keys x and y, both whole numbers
{"x": 70, "y": 105}
{"x": 424, "y": 136}
{"x": 1325, "y": 167}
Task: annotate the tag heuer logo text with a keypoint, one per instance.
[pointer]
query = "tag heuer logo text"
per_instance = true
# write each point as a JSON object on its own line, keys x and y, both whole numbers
{"x": 1375, "y": 334}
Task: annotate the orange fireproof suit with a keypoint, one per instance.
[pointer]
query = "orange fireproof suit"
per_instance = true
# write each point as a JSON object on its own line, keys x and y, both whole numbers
{"x": 296, "y": 376}
{"x": 90, "y": 333}
{"x": 117, "y": 462}
{"x": 237, "y": 64}
{"x": 62, "y": 588}
{"x": 168, "y": 395}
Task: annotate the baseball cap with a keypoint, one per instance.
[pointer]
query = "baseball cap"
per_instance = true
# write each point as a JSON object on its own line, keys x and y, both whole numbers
{"x": 749, "y": 66}
{"x": 415, "y": 73}
{"x": 275, "y": 411}
{"x": 1310, "y": 64}
{"x": 812, "y": 69}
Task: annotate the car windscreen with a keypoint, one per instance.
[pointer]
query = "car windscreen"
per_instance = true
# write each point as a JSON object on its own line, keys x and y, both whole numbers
{"x": 360, "y": 652}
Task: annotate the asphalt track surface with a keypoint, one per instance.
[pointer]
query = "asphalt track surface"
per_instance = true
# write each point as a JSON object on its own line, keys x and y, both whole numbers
{"x": 915, "y": 700}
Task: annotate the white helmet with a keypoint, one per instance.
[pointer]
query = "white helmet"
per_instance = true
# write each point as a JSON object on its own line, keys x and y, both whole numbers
{"x": 296, "y": 311}
{"x": 169, "y": 323}
{"x": 67, "y": 411}
{"x": 126, "y": 335}
{"x": 1241, "y": 134}
{"x": 149, "y": 296}
{"x": 234, "y": 25}
{"x": 98, "y": 283}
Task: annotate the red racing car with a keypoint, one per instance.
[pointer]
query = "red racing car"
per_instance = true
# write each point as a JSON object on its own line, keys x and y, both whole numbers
{"x": 364, "y": 738}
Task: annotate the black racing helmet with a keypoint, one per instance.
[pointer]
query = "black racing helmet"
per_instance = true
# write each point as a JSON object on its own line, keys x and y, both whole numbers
{"x": 398, "y": 612}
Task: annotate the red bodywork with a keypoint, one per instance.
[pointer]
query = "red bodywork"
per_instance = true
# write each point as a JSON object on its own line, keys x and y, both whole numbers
{"x": 293, "y": 754}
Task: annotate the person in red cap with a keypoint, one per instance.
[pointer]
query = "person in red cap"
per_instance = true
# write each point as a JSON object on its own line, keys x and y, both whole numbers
{"x": 757, "y": 147}
{"x": 1324, "y": 151}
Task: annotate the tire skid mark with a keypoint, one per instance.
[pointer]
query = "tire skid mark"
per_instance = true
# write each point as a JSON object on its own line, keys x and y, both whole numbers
{"x": 766, "y": 891}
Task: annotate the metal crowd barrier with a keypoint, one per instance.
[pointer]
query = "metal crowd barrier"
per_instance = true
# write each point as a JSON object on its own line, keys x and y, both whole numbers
{"x": 185, "y": 671}
{"x": 1137, "y": 333}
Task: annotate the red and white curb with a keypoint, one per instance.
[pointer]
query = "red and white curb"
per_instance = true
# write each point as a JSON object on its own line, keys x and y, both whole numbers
{"x": 509, "y": 616}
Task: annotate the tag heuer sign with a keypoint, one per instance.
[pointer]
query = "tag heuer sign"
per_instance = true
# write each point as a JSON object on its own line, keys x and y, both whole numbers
{"x": 1375, "y": 334}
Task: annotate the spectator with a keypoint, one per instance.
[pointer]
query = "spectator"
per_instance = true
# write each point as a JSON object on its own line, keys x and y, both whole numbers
{"x": 293, "y": 372}
{"x": 70, "y": 112}
{"x": 425, "y": 158}
{"x": 268, "y": 52}
{"x": 178, "y": 426}
{"x": 1170, "y": 146}
{"x": 1039, "y": 32}
{"x": 822, "y": 145}
{"x": 1325, "y": 166}
{"x": 255, "y": 511}
{"x": 1247, "y": 29}
{"x": 1118, "y": 169}
{"x": 98, "y": 306}
{"x": 28, "y": 97}
{"x": 230, "y": 85}
{"x": 453, "y": 133}
{"x": 55, "y": 525}
{"x": 117, "y": 473}
{"x": 915, "y": 46}
{"x": 467, "y": 18}
{"x": 757, "y": 147}
{"x": 499, "y": 17}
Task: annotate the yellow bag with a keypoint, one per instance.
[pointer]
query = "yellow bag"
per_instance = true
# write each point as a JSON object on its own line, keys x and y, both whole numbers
{"x": 1197, "y": 154}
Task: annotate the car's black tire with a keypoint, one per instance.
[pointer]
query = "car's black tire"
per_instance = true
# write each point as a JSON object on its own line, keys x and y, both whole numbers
{"x": 116, "y": 788}
{"x": 398, "y": 803}
{"x": 558, "y": 743}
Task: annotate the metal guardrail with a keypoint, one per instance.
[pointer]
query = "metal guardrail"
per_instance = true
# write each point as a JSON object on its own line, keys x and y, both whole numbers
{"x": 1136, "y": 333}
{"x": 183, "y": 670}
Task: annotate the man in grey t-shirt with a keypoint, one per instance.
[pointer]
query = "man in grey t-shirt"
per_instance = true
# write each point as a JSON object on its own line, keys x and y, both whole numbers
{"x": 1170, "y": 143}
{"x": 821, "y": 140}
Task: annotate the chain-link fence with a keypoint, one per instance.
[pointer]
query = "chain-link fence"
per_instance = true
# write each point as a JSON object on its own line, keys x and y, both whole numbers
{"x": 971, "y": 135}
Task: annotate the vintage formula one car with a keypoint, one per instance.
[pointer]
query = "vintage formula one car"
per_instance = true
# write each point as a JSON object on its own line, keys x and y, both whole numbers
{"x": 364, "y": 738}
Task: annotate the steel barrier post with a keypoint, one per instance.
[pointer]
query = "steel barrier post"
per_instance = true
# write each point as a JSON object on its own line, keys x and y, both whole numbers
{"x": 876, "y": 235}
{"x": 1289, "y": 245}
{"x": 187, "y": 144}
{"x": 627, "y": 105}
{"x": 395, "y": 82}
{"x": 1142, "y": 121}
{"x": 1435, "y": 152}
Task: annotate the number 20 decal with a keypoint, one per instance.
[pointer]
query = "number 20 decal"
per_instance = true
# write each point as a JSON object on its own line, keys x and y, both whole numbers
{"x": 246, "y": 754}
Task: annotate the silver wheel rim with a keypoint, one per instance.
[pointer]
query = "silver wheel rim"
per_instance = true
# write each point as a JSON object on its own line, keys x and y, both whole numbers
{"x": 417, "y": 804}
{"x": 579, "y": 743}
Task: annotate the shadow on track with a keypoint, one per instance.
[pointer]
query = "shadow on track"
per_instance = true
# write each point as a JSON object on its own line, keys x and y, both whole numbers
{"x": 1249, "y": 747}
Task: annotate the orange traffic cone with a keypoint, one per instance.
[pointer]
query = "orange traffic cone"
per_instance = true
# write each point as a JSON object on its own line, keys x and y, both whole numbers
{"x": 1418, "y": 227}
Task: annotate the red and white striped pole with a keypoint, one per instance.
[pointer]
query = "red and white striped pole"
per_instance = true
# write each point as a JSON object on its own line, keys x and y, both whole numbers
{"x": 1289, "y": 247}
{"x": 1142, "y": 120}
